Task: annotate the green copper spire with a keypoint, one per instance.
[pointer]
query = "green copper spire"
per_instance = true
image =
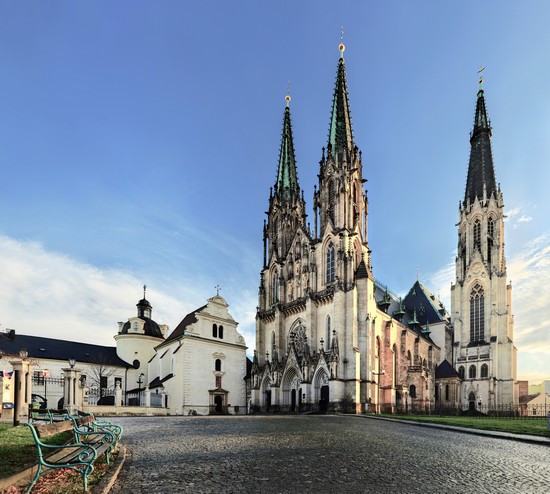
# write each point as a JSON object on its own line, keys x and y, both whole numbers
{"x": 340, "y": 136}
{"x": 287, "y": 176}
{"x": 481, "y": 172}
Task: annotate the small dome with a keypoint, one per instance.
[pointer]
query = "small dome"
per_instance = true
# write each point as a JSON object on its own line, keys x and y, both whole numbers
{"x": 150, "y": 328}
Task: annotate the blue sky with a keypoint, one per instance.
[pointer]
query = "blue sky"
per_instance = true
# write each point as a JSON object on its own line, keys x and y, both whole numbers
{"x": 138, "y": 142}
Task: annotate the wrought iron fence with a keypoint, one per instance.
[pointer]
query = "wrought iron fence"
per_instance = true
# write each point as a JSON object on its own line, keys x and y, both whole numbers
{"x": 100, "y": 396}
{"x": 47, "y": 389}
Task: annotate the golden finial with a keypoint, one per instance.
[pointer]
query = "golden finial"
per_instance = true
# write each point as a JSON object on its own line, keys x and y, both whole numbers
{"x": 341, "y": 46}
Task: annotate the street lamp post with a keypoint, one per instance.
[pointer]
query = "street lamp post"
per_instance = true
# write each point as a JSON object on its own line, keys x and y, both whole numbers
{"x": 139, "y": 382}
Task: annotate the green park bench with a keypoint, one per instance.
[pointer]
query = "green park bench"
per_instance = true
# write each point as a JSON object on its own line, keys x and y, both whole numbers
{"x": 49, "y": 415}
{"x": 79, "y": 455}
{"x": 86, "y": 422}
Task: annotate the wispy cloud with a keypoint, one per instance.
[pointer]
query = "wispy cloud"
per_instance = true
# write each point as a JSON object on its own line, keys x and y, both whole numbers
{"x": 529, "y": 272}
{"x": 49, "y": 294}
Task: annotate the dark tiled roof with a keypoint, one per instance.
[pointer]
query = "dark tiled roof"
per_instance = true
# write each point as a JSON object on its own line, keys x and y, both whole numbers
{"x": 150, "y": 327}
{"x": 481, "y": 170}
{"x": 189, "y": 319}
{"x": 445, "y": 369}
{"x": 428, "y": 308}
{"x": 49, "y": 348}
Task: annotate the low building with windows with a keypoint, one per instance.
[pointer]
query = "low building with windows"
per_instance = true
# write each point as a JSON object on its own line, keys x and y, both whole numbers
{"x": 201, "y": 367}
{"x": 49, "y": 361}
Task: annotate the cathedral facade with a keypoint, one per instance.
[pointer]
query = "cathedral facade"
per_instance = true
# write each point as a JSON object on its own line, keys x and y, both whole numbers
{"x": 328, "y": 337}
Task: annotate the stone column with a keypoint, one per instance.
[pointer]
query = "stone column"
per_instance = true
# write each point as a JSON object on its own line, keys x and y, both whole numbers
{"x": 22, "y": 388}
{"x": 118, "y": 395}
{"x": 72, "y": 395}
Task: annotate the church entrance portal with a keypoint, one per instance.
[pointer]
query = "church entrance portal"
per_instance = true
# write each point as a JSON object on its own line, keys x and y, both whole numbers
{"x": 293, "y": 400}
{"x": 267, "y": 400}
{"x": 472, "y": 402}
{"x": 218, "y": 401}
{"x": 323, "y": 402}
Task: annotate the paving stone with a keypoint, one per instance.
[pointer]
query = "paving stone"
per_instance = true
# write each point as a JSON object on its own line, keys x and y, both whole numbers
{"x": 332, "y": 453}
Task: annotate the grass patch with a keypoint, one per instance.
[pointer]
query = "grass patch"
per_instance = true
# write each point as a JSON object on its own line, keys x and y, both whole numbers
{"x": 18, "y": 451}
{"x": 17, "y": 448}
{"x": 534, "y": 427}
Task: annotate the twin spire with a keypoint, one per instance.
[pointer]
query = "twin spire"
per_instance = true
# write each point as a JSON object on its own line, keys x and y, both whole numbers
{"x": 287, "y": 186}
{"x": 340, "y": 134}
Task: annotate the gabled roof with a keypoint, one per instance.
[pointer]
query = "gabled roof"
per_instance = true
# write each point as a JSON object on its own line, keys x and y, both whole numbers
{"x": 445, "y": 369}
{"x": 481, "y": 172}
{"x": 189, "y": 319}
{"x": 52, "y": 349}
{"x": 429, "y": 310}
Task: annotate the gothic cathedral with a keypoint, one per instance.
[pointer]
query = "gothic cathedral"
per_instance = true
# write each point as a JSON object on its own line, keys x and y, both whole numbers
{"x": 330, "y": 337}
{"x": 481, "y": 298}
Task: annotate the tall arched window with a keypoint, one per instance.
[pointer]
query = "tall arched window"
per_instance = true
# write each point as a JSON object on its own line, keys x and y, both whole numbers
{"x": 472, "y": 372}
{"x": 218, "y": 365}
{"x": 477, "y": 234}
{"x": 477, "y": 314}
{"x": 327, "y": 342}
{"x": 484, "y": 370}
{"x": 214, "y": 330}
{"x": 490, "y": 237}
{"x": 331, "y": 200}
{"x": 461, "y": 372}
{"x": 220, "y": 332}
{"x": 412, "y": 391}
{"x": 330, "y": 263}
{"x": 446, "y": 392}
{"x": 275, "y": 288}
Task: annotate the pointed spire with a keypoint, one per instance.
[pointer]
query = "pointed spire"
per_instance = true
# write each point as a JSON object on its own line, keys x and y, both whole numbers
{"x": 287, "y": 176}
{"x": 481, "y": 172}
{"x": 340, "y": 135}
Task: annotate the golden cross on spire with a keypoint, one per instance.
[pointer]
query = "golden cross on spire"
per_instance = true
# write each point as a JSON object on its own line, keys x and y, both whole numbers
{"x": 341, "y": 46}
{"x": 287, "y": 97}
{"x": 480, "y": 72}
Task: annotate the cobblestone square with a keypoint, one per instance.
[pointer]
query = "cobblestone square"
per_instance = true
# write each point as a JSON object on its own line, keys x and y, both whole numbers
{"x": 332, "y": 453}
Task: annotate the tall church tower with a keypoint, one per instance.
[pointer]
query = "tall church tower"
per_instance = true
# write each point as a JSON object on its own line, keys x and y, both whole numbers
{"x": 316, "y": 288}
{"x": 481, "y": 298}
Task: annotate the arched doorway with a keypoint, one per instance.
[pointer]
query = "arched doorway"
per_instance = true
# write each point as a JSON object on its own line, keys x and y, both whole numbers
{"x": 472, "y": 401}
{"x": 218, "y": 403}
{"x": 323, "y": 402}
{"x": 267, "y": 400}
{"x": 293, "y": 400}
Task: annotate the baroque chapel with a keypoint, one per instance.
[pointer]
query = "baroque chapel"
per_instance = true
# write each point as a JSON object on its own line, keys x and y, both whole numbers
{"x": 329, "y": 336}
